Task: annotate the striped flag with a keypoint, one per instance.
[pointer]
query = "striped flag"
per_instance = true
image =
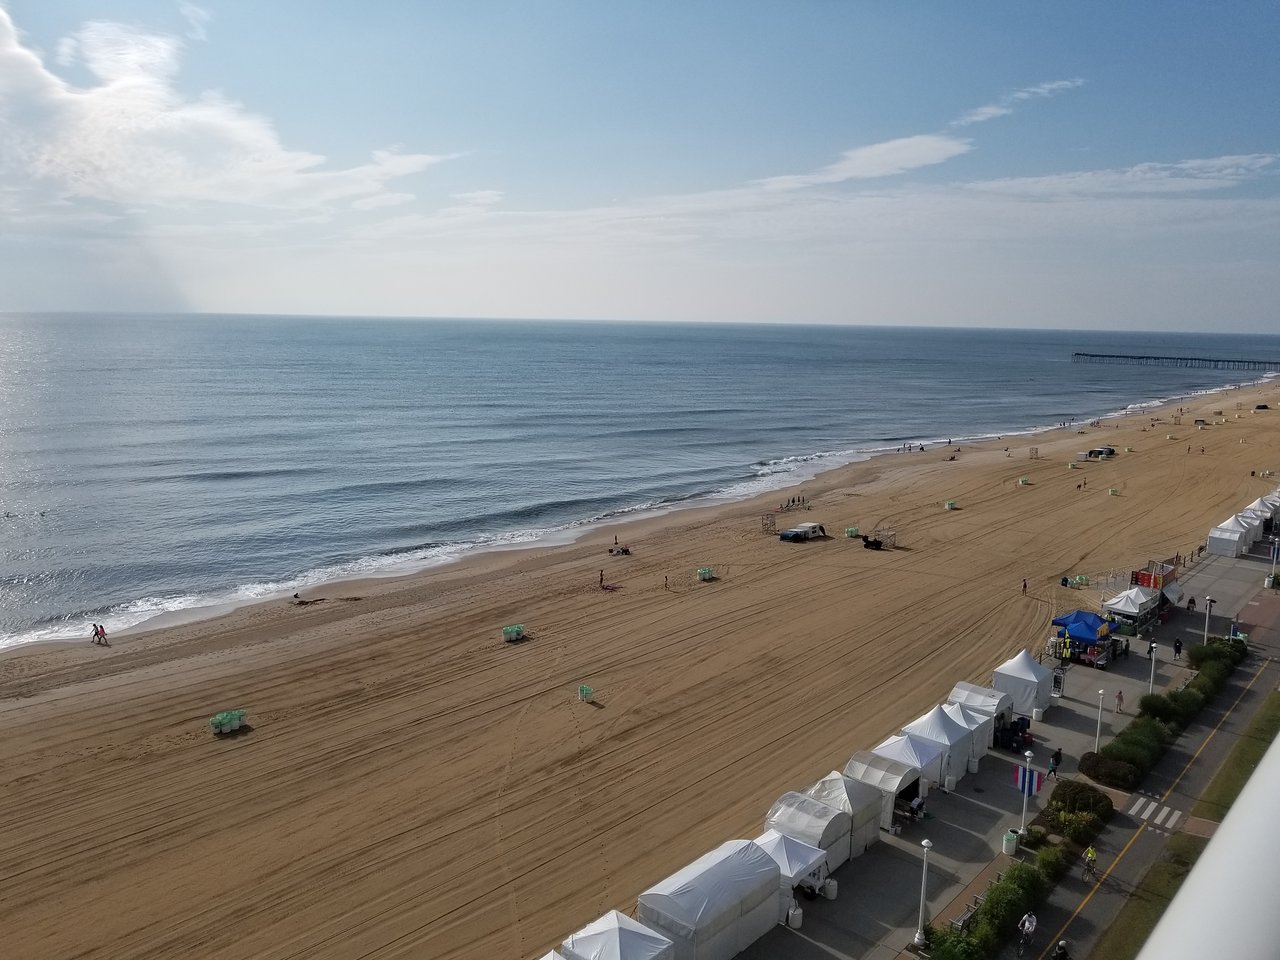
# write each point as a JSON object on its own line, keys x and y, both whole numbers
{"x": 1027, "y": 781}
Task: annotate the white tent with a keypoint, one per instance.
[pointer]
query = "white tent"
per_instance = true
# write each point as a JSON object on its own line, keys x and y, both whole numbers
{"x": 981, "y": 730}
{"x": 1027, "y": 682}
{"x": 1226, "y": 542}
{"x": 1253, "y": 521}
{"x": 994, "y": 703}
{"x": 1239, "y": 523}
{"x": 616, "y": 936}
{"x": 926, "y": 755}
{"x": 800, "y": 865}
{"x": 1265, "y": 506}
{"x": 861, "y": 801}
{"x": 1133, "y": 602}
{"x": 553, "y": 955}
{"x": 890, "y": 777}
{"x": 718, "y": 905}
{"x": 952, "y": 735}
{"x": 813, "y": 822}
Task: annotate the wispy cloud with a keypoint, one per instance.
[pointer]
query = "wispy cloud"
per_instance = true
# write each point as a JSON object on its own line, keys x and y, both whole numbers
{"x": 887, "y": 159}
{"x": 134, "y": 139}
{"x": 1185, "y": 177}
{"x": 197, "y": 19}
{"x": 1009, "y": 102}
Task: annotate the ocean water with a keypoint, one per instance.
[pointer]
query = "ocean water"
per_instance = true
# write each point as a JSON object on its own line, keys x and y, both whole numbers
{"x": 155, "y": 464}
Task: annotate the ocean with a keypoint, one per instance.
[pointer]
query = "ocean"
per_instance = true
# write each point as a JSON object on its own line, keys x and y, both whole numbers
{"x": 155, "y": 464}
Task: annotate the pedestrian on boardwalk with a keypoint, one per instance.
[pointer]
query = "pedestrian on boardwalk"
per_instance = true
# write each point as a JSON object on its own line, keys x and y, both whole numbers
{"x": 1053, "y": 767}
{"x": 1119, "y": 701}
{"x": 1177, "y": 649}
{"x": 1024, "y": 586}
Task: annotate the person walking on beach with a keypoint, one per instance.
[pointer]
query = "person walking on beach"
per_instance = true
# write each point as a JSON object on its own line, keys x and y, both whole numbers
{"x": 93, "y": 637}
{"x": 664, "y": 584}
{"x": 1024, "y": 586}
{"x": 1177, "y": 649}
{"x": 1119, "y": 701}
{"x": 602, "y": 578}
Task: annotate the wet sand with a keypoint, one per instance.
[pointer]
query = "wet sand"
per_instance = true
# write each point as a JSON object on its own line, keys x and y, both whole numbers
{"x": 413, "y": 786}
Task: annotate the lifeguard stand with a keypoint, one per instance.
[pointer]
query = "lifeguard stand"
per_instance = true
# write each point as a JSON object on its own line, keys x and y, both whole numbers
{"x": 768, "y": 523}
{"x": 1034, "y": 453}
{"x": 888, "y": 537}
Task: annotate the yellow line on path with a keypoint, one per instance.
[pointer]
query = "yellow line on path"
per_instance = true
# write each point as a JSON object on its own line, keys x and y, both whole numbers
{"x": 1142, "y": 826}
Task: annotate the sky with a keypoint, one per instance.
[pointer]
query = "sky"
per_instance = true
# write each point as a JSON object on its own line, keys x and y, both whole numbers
{"x": 1006, "y": 164}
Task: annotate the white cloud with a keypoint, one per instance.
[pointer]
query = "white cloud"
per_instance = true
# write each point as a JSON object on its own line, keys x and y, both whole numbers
{"x": 1185, "y": 177}
{"x": 479, "y": 198}
{"x": 132, "y": 138}
{"x": 1006, "y": 104}
{"x": 887, "y": 159}
{"x": 380, "y": 200}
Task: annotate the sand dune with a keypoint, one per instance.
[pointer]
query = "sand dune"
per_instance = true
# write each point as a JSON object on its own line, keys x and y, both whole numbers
{"x": 414, "y": 787}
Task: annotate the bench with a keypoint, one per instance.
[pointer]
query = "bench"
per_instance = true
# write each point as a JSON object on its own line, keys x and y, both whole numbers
{"x": 958, "y": 924}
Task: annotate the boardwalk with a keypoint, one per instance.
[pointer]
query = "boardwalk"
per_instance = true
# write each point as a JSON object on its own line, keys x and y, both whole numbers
{"x": 1152, "y": 361}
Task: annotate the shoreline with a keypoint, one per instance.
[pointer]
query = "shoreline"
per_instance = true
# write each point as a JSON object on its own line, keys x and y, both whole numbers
{"x": 577, "y": 531}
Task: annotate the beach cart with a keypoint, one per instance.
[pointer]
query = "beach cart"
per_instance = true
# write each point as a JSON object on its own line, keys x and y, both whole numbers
{"x": 228, "y": 721}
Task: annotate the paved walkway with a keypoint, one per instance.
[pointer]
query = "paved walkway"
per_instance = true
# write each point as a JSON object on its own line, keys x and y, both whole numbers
{"x": 876, "y": 913}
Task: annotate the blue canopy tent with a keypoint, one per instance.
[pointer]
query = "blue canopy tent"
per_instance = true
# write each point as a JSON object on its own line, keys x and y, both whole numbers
{"x": 1083, "y": 636}
{"x": 1082, "y": 625}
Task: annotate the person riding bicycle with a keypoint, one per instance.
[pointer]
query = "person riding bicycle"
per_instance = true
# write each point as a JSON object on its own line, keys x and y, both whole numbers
{"x": 1090, "y": 859}
{"x": 1027, "y": 926}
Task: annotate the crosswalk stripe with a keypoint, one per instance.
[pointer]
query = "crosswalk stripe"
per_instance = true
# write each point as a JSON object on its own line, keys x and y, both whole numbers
{"x": 1173, "y": 819}
{"x": 1136, "y": 804}
{"x": 1147, "y": 812}
{"x": 1164, "y": 812}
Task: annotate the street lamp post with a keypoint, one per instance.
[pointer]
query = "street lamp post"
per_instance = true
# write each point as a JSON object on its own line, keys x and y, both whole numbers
{"x": 1026, "y": 792}
{"x": 920, "y": 940}
{"x": 1155, "y": 655}
{"x": 1208, "y": 609}
{"x": 1097, "y": 736}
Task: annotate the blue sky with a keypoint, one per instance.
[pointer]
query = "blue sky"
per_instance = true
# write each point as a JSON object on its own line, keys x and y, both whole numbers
{"x": 1005, "y": 164}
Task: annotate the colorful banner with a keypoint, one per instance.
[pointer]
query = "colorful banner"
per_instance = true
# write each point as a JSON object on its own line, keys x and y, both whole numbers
{"x": 1027, "y": 781}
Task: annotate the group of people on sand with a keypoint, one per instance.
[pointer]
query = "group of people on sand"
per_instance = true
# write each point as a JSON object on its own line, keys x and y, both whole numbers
{"x": 99, "y": 635}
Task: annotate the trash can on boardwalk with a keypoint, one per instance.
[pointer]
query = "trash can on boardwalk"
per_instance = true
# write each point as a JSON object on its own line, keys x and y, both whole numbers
{"x": 1010, "y": 845}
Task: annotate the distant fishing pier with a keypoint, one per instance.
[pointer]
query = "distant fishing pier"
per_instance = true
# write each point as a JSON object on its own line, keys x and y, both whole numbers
{"x": 1206, "y": 363}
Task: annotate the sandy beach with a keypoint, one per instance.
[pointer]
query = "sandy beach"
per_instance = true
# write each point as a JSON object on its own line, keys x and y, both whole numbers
{"x": 414, "y": 787}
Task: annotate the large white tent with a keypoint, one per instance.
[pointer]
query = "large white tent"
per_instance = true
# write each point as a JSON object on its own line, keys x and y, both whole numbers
{"x": 813, "y": 822}
{"x": 1253, "y": 522}
{"x": 1027, "y": 682}
{"x": 861, "y": 801}
{"x": 553, "y": 955}
{"x": 1265, "y": 506}
{"x": 1239, "y": 523}
{"x": 1226, "y": 541}
{"x": 615, "y": 936}
{"x": 890, "y": 777}
{"x": 926, "y": 755}
{"x": 799, "y": 864}
{"x": 981, "y": 731}
{"x": 1134, "y": 602}
{"x": 953, "y": 736}
{"x": 996, "y": 704}
{"x": 718, "y": 905}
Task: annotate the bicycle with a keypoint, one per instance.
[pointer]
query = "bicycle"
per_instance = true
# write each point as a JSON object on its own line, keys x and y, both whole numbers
{"x": 1090, "y": 871}
{"x": 1024, "y": 941}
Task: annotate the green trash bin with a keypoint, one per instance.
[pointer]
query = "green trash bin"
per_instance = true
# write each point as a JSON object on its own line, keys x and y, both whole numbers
{"x": 1010, "y": 845}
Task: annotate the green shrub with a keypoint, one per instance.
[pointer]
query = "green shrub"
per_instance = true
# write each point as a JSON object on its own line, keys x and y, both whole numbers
{"x": 1203, "y": 686}
{"x": 1003, "y": 908}
{"x": 1079, "y": 827}
{"x": 1052, "y": 863}
{"x": 948, "y": 944}
{"x": 1200, "y": 654}
{"x": 1076, "y": 795}
{"x": 985, "y": 936}
{"x": 1186, "y": 704}
{"x": 1029, "y": 880}
{"x": 1154, "y": 731}
{"x": 1137, "y": 750}
{"x": 1233, "y": 647}
{"x": 1157, "y": 705}
{"x": 1034, "y": 839}
{"x": 1111, "y": 773}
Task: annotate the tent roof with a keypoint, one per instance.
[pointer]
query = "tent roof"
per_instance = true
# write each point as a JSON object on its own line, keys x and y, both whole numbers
{"x": 1024, "y": 667}
{"x": 795, "y": 858}
{"x": 939, "y": 726}
{"x": 712, "y": 887}
{"x": 880, "y": 772}
{"x": 615, "y": 936}
{"x": 1228, "y": 533}
{"x": 983, "y": 699}
{"x": 860, "y": 800}
{"x": 807, "y": 819}
{"x": 972, "y": 719}
{"x": 1133, "y": 600}
{"x": 1171, "y": 590}
{"x": 910, "y": 749}
{"x": 553, "y": 955}
{"x": 1233, "y": 523}
{"x": 1082, "y": 625}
